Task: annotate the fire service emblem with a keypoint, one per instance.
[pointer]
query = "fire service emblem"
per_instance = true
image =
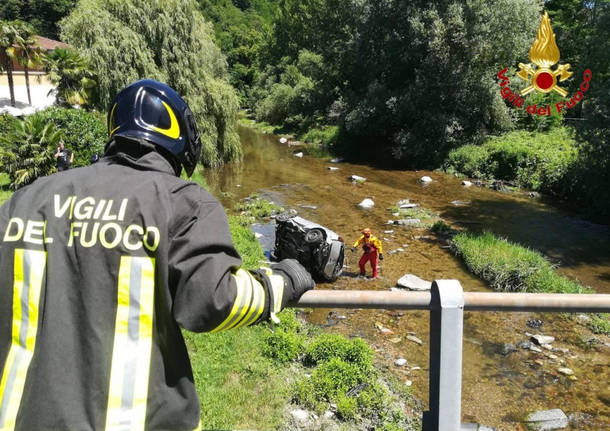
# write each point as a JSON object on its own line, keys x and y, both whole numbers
{"x": 541, "y": 76}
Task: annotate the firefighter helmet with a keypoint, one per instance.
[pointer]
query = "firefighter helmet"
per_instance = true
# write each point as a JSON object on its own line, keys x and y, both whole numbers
{"x": 153, "y": 111}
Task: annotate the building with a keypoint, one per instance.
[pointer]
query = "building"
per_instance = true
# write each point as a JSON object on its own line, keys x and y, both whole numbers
{"x": 40, "y": 86}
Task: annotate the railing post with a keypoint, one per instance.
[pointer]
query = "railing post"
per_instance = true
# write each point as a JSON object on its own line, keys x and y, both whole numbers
{"x": 446, "y": 331}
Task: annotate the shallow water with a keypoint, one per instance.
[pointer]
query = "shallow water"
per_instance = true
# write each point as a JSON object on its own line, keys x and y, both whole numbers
{"x": 497, "y": 390}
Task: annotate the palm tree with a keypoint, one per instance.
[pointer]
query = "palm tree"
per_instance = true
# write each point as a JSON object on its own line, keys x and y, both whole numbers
{"x": 71, "y": 74}
{"x": 9, "y": 35}
{"x": 30, "y": 54}
{"x": 26, "y": 152}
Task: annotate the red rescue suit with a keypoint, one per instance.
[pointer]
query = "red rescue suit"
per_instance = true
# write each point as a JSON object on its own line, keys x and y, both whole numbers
{"x": 372, "y": 248}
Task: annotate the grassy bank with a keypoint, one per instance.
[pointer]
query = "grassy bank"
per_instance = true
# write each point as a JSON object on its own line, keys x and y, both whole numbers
{"x": 510, "y": 267}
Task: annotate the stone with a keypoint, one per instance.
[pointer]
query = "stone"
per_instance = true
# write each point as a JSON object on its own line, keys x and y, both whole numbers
{"x": 283, "y": 140}
{"x": 413, "y": 282}
{"x": 524, "y": 344}
{"x": 535, "y": 349}
{"x": 476, "y": 427}
{"x": 388, "y": 231}
{"x": 415, "y": 368}
{"x": 383, "y": 329}
{"x": 507, "y": 349}
{"x": 425, "y": 179}
{"x": 466, "y": 183}
{"x": 299, "y": 154}
{"x": 328, "y": 414}
{"x": 336, "y": 160}
{"x": 583, "y": 318}
{"x": 414, "y": 339}
{"x": 407, "y": 206}
{"x": 400, "y": 362}
{"x": 408, "y": 383}
{"x": 332, "y": 168}
{"x": 357, "y": 178}
{"x": 395, "y": 340}
{"x": 402, "y": 202}
{"x": 300, "y": 415}
{"x": 543, "y": 420}
{"x": 542, "y": 339}
{"x": 547, "y": 346}
{"x": 539, "y": 362}
{"x": 460, "y": 203}
{"x": 534, "y": 323}
{"x": 566, "y": 371}
{"x": 408, "y": 222}
{"x": 367, "y": 203}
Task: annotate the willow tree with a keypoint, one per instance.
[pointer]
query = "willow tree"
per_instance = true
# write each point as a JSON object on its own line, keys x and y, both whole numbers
{"x": 166, "y": 40}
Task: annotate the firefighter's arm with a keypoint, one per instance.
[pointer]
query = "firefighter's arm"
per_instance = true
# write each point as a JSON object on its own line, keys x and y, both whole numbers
{"x": 357, "y": 243}
{"x": 210, "y": 290}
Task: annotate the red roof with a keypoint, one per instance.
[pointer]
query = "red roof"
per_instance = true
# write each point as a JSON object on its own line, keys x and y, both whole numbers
{"x": 50, "y": 44}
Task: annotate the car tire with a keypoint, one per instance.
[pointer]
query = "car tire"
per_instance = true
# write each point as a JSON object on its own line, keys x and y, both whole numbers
{"x": 314, "y": 236}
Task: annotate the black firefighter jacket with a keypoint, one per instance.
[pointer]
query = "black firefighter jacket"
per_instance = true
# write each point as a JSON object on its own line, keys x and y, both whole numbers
{"x": 99, "y": 268}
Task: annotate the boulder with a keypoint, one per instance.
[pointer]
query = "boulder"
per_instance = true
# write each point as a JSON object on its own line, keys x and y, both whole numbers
{"x": 415, "y": 339}
{"x": 357, "y": 178}
{"x": 413, "y": 282}
{"x": 283, "y": 140}
{"x": 400, "y": 362}
{"x": 408, "y": 222}
{"x": 300, "y": 415}
{"x": 298, "y": 154}
{"x": 367, "y": 203}
{"x": 332, "y": 168}
{"x": 466, "y": 183}
{"x": 425, "y": 179}
{"x": 542, "y": 339}
{"x": 543, "y": 420}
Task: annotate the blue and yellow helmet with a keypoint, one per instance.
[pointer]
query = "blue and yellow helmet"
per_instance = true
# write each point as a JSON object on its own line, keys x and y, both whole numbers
{"x": 153, "y": 111}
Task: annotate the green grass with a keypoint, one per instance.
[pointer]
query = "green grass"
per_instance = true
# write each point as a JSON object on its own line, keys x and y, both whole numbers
{"x": 426, "y": 217}
{"x": 320, "y": 140}
{"x": 600, "y": 323}
{"x": 262, "y": 126}
{"x": 256, "y": 207}
{"x": 510, "y": 267}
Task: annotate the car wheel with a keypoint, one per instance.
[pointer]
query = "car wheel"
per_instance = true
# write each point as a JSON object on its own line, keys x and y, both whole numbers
{"x": 314, "y": 236}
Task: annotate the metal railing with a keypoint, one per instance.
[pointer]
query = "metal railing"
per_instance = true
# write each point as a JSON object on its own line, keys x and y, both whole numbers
{"x": 447, "y": 302}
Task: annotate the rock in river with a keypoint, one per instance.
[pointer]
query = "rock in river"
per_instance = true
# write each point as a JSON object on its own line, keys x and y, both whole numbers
{"x": 542, "y": 339}
{"x": 367, "y": 203}
{"x": 543, "y": 420}
{"x": 413, "y": 282}
{"x": 425, "y": 179}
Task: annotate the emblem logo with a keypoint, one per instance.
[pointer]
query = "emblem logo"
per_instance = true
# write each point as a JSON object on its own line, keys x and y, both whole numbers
{"x": 544, "y": 53}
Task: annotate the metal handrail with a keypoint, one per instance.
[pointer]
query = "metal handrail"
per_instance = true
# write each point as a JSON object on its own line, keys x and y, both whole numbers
{"x": 473, "y": 301}
{"x": 446, "y": 302}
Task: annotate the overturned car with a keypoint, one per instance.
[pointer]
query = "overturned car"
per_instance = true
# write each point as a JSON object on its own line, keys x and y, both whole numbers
{"x": 320, "y": 250}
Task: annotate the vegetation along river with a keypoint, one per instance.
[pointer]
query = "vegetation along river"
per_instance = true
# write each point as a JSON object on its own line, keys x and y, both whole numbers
{"x": 498, "y": 389}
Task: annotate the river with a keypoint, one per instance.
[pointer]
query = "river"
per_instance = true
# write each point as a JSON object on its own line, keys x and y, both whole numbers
{"x": 497, "y": 390}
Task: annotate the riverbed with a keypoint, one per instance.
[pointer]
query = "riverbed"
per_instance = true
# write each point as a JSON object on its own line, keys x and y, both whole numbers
{"x": 498, "y": 390}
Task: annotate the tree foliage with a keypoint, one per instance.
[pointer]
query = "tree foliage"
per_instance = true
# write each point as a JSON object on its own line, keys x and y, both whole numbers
{"x": 164, "y": 40}
{"x": 26, "y": 151}
{"x": 72, "y": 76}
{"x": 43, "y": 15}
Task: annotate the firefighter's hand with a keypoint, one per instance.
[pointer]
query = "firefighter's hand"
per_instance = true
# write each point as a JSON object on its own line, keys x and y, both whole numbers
{"x": 298, "y": 279}
{"x": 380, "y": 256}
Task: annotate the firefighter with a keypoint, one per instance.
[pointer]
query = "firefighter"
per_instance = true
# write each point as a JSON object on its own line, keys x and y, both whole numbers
{"x": 101, "y": 267}
{"x": 371, "y": 245}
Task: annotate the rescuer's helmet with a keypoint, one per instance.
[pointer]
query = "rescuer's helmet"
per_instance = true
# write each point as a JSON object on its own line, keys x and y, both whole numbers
{"x": 153, "y": 111}
{"x": 366, "y": 232}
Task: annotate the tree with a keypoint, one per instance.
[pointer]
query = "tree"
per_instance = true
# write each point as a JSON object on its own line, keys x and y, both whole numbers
{"x": 9, "y": 37}
{"x": 43, "y": 15}
{"x": 29, "y": 54}
{"x": 423, "y": 76}
{"x": 26, "y": 152}
{"x": 72, "y": 76}
{"x": 164, "y": 40}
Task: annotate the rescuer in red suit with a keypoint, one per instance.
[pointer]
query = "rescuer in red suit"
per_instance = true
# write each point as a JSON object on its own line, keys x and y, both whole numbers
{"x": 372, "y": 248}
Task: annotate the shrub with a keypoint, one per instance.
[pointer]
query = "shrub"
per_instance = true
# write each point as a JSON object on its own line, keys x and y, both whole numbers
{"x": 7, "y": 123}
{"x": 282, "y": 345}
{"x": 330, "y": 346}
{"x": 600, "y": 324}
{"x": 26, "y": 152}
{"x": 83, "y": 132}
